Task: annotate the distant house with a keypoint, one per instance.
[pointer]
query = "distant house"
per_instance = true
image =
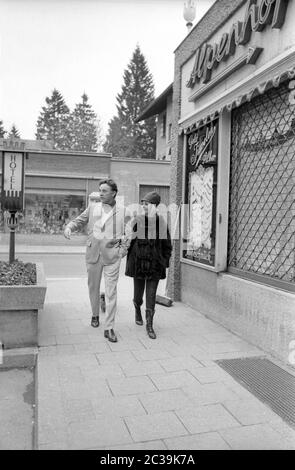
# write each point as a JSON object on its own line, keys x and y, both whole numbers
{"x": 162, "y": 108}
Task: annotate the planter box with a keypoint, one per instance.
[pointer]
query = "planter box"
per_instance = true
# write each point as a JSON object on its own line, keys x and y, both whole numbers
{"x": 19, "y": 307}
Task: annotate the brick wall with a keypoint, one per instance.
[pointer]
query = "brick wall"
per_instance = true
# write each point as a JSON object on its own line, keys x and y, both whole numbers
{"x": 218, "y": 14}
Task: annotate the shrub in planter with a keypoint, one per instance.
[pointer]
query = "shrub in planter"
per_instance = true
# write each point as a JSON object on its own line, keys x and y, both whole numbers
{"x": 22, "y": 294}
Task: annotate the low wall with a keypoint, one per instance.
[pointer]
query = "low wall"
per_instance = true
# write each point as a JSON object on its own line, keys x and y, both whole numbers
{"x": 18, "y": 329}
{"x": 265, "y": 316}
{"x": 19, "y": 307}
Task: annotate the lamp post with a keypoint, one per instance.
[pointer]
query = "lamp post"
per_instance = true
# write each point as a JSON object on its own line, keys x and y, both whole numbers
{"x": 189, "y": 13}
{"x": 12, "y": 222}
{"x": 12, "y": 192}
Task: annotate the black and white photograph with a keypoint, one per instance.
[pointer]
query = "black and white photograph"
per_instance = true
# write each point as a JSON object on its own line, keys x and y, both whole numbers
{"x": 147, "y": 229}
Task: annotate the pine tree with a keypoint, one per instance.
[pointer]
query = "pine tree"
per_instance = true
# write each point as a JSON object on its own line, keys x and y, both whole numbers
{"x": 54, "y": 122}
{"x": 14, "y": 132}
{"x": 85, "y": 127}
{"x": 117, "y": 141}
{"x": 125, "y": 137}
{"x": 2, "y": 130}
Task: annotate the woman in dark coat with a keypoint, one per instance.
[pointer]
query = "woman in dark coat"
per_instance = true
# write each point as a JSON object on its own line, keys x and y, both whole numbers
{"x": 148, "y": 257}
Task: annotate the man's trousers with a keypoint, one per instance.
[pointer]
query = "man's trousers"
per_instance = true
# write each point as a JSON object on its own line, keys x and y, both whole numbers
{"x": 111, "y": 276}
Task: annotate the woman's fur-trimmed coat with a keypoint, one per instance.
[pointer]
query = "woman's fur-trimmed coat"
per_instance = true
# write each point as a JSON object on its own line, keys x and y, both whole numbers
{"x": 150, "y": 249}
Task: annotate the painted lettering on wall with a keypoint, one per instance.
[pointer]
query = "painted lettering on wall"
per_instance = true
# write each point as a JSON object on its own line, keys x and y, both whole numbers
{"x": 257, "y": 17}
{"x": 200, "y": 148}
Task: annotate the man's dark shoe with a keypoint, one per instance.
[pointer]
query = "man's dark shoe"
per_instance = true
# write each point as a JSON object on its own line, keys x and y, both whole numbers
{"x": 110, "y": 335}
{"x": 95, "y": 322}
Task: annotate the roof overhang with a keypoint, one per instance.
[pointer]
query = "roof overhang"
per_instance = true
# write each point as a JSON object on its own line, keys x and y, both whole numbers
{"x": 156, "y": 106}
{"x": 190, "y": 125}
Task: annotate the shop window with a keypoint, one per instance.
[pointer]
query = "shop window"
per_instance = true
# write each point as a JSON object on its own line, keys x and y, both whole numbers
{"x": 199, "y": 229}
{"x": 49, "y": 213}
{"x": 262, "y": 188}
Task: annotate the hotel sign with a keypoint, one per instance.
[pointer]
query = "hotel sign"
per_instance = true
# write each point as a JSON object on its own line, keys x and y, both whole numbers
{"x": 12, "y": 193}
{"x": 257, "y": 17}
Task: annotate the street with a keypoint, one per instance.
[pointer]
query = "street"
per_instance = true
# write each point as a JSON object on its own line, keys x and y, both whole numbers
{"x": 70, "y": 266}
{"x": 57, "y": 266}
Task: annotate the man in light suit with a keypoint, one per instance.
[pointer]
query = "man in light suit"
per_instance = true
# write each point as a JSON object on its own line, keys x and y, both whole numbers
{"x": 107, "y": 244}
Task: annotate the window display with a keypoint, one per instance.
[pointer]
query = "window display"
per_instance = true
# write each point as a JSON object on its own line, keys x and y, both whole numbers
{"x": 201, "y": 185}
{"x": 49, "y": 213}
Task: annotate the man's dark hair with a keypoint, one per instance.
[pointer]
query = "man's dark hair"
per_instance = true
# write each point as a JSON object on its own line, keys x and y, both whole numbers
{"x": 111, "y": 183}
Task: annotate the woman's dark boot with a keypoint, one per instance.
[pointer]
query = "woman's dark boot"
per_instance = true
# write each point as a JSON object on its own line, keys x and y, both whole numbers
{"x": 149, "y": 315}
{"x": 138, "y": 317}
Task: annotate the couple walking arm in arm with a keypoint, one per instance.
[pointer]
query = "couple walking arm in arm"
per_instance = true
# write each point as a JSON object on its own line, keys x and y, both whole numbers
{"x": 111, "y": 235}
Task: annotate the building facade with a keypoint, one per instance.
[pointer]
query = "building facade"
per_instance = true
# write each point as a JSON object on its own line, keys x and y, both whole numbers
{"x": 233, "y": 169}
{"x": 58, "y": 183}
{"x": 140, "y": 176}
{"x": 161, "y": 107}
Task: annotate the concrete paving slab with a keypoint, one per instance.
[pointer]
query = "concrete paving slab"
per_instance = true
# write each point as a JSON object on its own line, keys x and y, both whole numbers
{"x": 172, "y": 380}
{"x": 209, "y": 374}
{"x": 255, "y": 437}
{"x": 91, "y": 347}
{"x": 148, "y": 355}
{"x": 88, "y": 389}
{"x": 166, "y": 400}
{"x": 151, "y": 445}
{"x": 17, "y": 399}
{"x": 51, "y": 435}
{"x": 180, "y": 363}
{"x": 127, "y": 345}
{"x": 200, "y": 419}
{"x": 98, "y": 433}
{"x": 103, "y": 372}
{"x": 123, "y": 357}
{"x": 249, "y": 412}
{"x": 120, "y": 406}
{"x": 155, "y": 426}
{"x": 131, "y": 385}
{"x": 206, "y": 441}
{"x": 142, "y": 368}
{"x": 205, "y": 394}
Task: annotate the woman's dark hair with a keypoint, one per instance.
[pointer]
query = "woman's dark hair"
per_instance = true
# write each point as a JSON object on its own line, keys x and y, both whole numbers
{"x": 111, "y": 183}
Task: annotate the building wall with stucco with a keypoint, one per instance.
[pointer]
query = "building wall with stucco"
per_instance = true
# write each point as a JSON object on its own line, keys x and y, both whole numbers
{"x": 218, "y": 14}
{"x": 261, "y": 312}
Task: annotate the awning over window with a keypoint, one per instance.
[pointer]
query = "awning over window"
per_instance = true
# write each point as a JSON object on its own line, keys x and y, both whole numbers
{"x": 238, "y": 101}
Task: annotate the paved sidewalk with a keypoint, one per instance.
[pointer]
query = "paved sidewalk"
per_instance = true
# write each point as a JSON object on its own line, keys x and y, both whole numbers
{"x": 140, "y": 393}
{"x": 16, "y": 409}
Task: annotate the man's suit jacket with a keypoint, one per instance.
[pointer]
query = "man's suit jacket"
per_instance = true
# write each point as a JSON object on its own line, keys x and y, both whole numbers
{"x": 106, "y": 239}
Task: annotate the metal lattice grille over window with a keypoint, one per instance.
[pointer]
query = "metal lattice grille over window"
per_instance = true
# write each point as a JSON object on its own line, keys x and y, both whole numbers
{"x": 262, "y": 187}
